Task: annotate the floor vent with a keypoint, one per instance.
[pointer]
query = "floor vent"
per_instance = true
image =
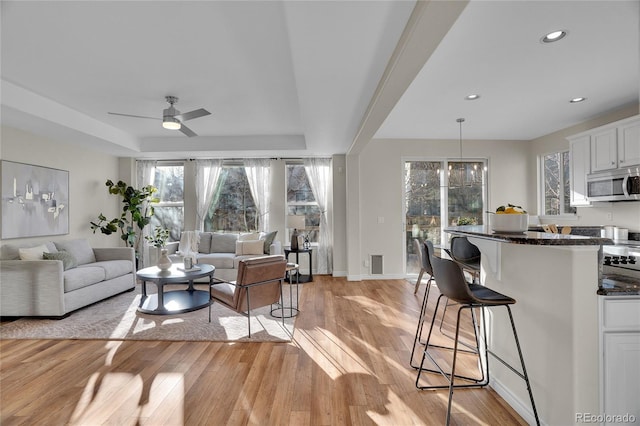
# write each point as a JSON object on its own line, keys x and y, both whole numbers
{"x": 376, "y": 264}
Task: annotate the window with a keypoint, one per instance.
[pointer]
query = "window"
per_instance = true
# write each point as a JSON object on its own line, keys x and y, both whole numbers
{"x": 169, "y": 212}
{"x": 555, "y": 184}
{"x": 301, "y": 201}
{"x": 232, "y": 208}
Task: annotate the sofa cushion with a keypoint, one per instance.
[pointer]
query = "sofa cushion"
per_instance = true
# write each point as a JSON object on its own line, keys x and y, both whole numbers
{"x": 80, "y": 249}
{"x": 268, "y": 238}
{"x": 223, "y": 243}
{"x": 33, "y": 253}
{"x": 204, "y": 242}
{"x": 68, "y": 260}
{"x": 82, "y": 277}
{"x": 249, "y": 247}
{"x": 113, "y": 268}
{"x": 11, "y": 251}
{"x": 219, "y": 260}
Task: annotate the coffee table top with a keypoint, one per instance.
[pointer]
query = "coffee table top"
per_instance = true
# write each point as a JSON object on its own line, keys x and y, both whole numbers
{"x": 176, "y": 273}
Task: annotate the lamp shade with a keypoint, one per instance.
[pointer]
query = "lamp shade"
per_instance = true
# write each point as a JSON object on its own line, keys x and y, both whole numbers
{"x": 295, "y": 221}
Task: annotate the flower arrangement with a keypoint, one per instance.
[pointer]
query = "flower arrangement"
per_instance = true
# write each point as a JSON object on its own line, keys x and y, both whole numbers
{"x": 159, "y": 237}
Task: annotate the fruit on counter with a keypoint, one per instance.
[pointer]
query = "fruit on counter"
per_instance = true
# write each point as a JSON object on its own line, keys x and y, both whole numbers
{"x": 510, "y": 209}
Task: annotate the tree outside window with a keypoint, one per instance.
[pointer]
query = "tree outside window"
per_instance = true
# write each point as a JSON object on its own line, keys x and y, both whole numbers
{"x": 232, "y": 208}
{"x": 301, "y": 201}
{"x": 169, "y": 212}
{"x": 556, "y": 184}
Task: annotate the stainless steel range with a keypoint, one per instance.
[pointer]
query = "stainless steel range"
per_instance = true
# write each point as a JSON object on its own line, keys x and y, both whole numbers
{"x": 621, "y": 268}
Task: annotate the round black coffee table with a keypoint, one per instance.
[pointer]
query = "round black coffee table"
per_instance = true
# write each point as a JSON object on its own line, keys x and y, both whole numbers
{"x": 174, "y": 301}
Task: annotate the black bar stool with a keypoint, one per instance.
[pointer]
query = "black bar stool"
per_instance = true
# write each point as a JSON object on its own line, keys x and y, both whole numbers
{"x": 467, "y": 255}
{"x": 428, "y": 253}
{"x": 452, "y": 284}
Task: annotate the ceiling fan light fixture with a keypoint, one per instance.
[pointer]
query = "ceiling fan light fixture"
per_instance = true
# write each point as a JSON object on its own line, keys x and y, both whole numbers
{"x": 554, "y": 36}
{"x": 171, "y": 123}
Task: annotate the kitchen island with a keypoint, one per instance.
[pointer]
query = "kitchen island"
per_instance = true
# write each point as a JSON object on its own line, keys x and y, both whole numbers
{"x": 554, "y": 279}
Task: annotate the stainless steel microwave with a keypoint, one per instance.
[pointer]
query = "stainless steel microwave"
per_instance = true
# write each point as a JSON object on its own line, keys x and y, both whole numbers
{"x": 618, "y": 185}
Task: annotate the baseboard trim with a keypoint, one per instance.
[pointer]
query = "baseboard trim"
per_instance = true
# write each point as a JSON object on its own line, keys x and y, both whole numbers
{"x": 523, "y": 409}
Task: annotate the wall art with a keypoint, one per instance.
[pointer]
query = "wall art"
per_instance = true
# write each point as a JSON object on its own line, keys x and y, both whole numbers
{"x": 35, "y": 200}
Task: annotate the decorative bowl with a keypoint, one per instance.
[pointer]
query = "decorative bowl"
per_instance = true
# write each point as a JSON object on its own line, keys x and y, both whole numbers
{"x": 510, "y": 223}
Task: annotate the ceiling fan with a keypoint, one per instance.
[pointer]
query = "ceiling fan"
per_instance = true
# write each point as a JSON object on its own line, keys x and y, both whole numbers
{"x": 172, "y": 118}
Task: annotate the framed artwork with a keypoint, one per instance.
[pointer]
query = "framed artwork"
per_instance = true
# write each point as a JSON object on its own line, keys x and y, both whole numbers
{"x": 35, "y": 200}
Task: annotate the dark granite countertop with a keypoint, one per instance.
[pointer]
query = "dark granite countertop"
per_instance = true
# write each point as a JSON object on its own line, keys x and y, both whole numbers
{"x": 529, "y": 237}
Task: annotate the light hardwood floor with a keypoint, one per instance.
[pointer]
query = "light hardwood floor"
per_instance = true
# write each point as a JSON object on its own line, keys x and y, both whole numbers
{"x": 347, "y": 365}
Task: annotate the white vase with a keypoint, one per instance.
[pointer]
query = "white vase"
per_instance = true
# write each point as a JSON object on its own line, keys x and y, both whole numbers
{"x": 164, "y": 263}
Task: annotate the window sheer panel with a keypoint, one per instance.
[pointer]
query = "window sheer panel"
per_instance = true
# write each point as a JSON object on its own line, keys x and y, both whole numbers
{"x": 207, "y": 177}
{"x": 258, "y": 171}
{"x": 145, "y": 174}
{"x": 319, "y": 175}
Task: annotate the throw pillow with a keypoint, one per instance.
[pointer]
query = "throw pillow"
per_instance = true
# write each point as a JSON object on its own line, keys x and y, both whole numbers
{"x": 268, "y": 238}
{"x": 249, "y": 236}
{"x": 80, "y": 249}
{"x": 33, "y": 253}
{"x": 68, "y": 261}
{"x": 249, "y": 247}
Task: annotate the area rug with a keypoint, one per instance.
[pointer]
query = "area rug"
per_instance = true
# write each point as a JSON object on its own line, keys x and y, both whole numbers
{"x": 117, "y": 319}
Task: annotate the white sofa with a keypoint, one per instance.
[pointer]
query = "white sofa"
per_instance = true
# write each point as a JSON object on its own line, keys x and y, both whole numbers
{"x": 224, "y": 250}
{"x": 77, "y": 276}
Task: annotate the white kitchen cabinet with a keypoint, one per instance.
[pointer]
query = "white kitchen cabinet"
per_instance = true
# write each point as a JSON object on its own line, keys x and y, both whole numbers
{"x": 616, "y": 145}
{"x": 629, "y": 144}
{"x": 604, "y": 149}
{"x": 579, "y": 166}
{"x": 619, "y": 357}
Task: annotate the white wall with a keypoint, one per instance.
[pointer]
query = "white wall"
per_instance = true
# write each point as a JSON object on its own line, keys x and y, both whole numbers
{"x": 626, "y": 215}
{"x": 378, "y": 201}
{"x": 88, "y": 171}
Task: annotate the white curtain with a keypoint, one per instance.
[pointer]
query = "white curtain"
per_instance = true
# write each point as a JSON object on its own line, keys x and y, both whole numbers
{"x": 319, "y": 174}
{"x": 145, "y": 175}
{"x": 259, "y": 176}
{"x": 207, "y": 174}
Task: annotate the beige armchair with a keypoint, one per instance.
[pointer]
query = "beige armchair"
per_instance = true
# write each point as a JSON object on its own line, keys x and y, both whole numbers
{"x": 259, "y": 283}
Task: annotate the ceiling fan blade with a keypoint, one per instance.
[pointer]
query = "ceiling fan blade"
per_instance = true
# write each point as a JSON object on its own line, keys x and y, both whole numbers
{"x": 187, "y": 131}
{"x": 196, "y": 113}
{"x": 134, "y": 116}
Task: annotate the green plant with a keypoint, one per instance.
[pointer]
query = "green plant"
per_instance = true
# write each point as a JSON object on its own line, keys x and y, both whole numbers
{"x": 136, "y": 212}
{"x": 467, "y": 221}
{"x": 159, "y": 237}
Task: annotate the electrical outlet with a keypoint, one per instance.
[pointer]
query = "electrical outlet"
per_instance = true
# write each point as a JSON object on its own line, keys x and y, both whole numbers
{"x": 609, "y": 216}
{"x": 366, "y": 263}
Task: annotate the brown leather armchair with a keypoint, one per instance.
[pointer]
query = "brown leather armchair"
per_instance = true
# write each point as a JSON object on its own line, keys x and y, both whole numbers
{"x": 258, "y": 283}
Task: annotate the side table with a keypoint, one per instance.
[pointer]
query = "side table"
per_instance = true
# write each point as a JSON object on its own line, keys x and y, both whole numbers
{"x": 301, "y": 278}
{"x": 293, "y": 309}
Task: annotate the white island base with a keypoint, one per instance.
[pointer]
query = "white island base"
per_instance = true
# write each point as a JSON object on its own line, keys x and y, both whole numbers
{"x": 556, "y": 316}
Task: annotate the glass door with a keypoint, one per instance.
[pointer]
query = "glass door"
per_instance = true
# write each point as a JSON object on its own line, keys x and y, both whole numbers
{"x": 433, "y": 198}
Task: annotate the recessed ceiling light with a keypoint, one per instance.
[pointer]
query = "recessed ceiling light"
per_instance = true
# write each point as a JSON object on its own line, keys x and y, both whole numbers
{"x": 576, "y": 100}
{"x": 554, "y": 36}
{"x": 472, "y": 97}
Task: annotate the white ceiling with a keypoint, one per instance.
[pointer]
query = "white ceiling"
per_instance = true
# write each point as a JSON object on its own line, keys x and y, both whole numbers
{"x": 299, "y": 78}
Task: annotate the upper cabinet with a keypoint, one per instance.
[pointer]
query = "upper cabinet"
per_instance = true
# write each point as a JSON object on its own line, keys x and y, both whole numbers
{"x": 616, "y": 145}
{"x": 579, "y": 148}
{"x": 604, "y": 150}
{"x": 629, "y": 144}
{"x": 612, "y": 146}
